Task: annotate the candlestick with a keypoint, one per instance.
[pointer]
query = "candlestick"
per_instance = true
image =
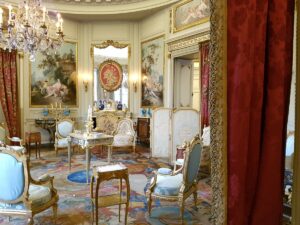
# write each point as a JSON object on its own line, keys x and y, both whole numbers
{"x": 9, "y": 13}
{"x": 1, "y": 17}
{"x": 26, "y": 12}
{"x": 61, "y": 24}
{"x": 44, "y": 14}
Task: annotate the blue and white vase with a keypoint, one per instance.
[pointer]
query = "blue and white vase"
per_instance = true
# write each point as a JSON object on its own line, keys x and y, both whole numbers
{"x": 45, "y": 111}
{"x": 101, "y": 105}
{"x": 149, "y": 112}
{"x": 143, "y": 112}
{"x": 119, "y": 106}
{"x": 67, "y": 112}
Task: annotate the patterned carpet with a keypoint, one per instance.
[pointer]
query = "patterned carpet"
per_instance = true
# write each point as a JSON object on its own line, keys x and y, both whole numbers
{"x": 75, "y": 206}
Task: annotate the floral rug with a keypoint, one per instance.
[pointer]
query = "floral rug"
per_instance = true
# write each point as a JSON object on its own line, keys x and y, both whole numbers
{"x": 74, "y": 198}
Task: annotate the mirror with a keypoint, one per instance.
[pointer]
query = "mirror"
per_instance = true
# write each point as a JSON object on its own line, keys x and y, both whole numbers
{"x": 116, "y": 54}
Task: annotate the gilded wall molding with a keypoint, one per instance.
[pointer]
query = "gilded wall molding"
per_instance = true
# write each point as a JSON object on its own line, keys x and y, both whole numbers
{"x": 218, "y": 110}
{"x": 296, "y": 166}
{"x": 188, "y": 42}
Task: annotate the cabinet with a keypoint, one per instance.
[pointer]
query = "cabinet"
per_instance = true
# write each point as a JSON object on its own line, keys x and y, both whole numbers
{"x": 143, "y": 129}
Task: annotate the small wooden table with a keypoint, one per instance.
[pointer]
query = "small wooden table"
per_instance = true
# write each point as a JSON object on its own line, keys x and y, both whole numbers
{"x": 33, "y": 137}
{"x": 86, "y": 142}
{"x": 105, "y": 173}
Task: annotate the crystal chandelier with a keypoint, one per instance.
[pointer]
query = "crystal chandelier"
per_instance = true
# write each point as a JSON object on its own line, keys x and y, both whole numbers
{"x": 29, "y": 29}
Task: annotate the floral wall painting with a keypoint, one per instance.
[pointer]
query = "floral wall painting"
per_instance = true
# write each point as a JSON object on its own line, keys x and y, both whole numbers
{"x": 189, "y": 13}
{"x": 152, "y": 72}
{"x": 53, "y": 77}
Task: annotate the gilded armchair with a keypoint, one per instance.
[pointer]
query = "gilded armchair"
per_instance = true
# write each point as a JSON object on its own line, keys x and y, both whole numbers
{"x": 63, "y": 128}
{"x": 4, "y": 139}
{"x": 107, "y": 123}
{"x": 179, "y": 185}
{"x": 124, "y": 135}
{"x": 23, "y": 195}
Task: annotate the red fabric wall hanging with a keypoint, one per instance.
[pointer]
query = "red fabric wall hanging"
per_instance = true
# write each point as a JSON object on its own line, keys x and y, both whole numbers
{"x": 204, "y": 84}
{"x": 8, "y": 90}
{"x": 259, "y": 72}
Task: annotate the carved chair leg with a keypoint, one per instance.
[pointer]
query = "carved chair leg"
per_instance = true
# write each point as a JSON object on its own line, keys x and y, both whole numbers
{"x": 126, "y": 212}
{"x": 39, "y": 149}
{"x": 133, "y": 149}
{"x": 36, "y": 150}
{"x": 30, "y": 221}
{"x": 195, "y": 198}
{"x": 55, "y": 150}
{"x": 181, "y": 205}
{"x": 120, "y": 189}
{"x": 149, "y": 203}
{"x": 54, "y": 207}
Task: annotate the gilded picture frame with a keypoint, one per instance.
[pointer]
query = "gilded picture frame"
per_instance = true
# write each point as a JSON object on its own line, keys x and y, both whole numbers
{"x": 117, "y": 45}
{"x": 110, "y": 75}
{"x": 54, "y": 78}
{"x": 189, "y": 13}
{"x": 152, "y": 72}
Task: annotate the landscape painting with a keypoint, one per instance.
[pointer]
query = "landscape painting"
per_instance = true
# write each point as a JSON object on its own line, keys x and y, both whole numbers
{"x": 53, "y": 77}
{"x": 152, "y": 72}
{"x": 189, "y": 13}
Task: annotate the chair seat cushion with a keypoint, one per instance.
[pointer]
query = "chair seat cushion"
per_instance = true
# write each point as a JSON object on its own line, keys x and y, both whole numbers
{"x": 164, "y": 171}
{"x": 62, "y": 143}
{"x": 17, "y": 148}
{"x": 168, "y": 185}
{"x": 38, "y": 195}
{"x": 123, "y": 140}
{"x": 179, "y": 162}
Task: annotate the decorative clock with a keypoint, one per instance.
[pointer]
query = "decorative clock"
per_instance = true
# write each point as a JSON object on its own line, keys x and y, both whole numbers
{"x": 110, "y": 75}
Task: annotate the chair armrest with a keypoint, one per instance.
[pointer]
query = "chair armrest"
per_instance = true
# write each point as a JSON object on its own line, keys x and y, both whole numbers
{"x": 44, "y": 179}
{"x": 96, "y": 129}
{"x": 153, "y": 181}
{"x": 175, "y": 172}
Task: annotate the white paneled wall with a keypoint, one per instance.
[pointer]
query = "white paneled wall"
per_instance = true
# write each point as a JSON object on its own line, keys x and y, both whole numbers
{"x": 88, "y": 33}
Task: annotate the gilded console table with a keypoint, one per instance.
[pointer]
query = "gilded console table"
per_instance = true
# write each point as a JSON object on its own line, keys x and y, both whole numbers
{"x": 47, "y": 124}
{"x": 86, "y": 142}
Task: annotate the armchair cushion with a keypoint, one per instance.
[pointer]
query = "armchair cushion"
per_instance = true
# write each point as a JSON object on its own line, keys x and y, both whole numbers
{"x": 168, "y": 185}
{"x": 164, "y": 171}
{"x": 11, "y": 189}
{"x": 64, "y": 128}
{"x": 123, "y": 140}
{"x": 17, "y": 148}
{"x": 62, "y": 143}
{"x": 38, "y": 195}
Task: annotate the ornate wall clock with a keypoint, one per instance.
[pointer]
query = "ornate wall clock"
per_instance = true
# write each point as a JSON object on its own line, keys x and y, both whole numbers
{"x": 110, "y": 75}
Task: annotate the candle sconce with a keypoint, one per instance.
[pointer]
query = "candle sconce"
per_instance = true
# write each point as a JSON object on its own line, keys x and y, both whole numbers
{"x": 135, "y": 86}
{"x": 86, "y": 85}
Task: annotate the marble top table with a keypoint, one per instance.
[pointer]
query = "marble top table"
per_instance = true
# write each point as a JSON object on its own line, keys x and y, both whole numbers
{"x": 86, "y": 142}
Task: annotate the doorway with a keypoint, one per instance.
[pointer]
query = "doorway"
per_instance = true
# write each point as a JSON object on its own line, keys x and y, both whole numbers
{"x": 187, "y": 81}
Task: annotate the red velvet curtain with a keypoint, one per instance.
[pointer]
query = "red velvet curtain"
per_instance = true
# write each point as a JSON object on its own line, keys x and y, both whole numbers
{"x": 8, "y": 90}
{"x": 260, "y": 39}
{"x": 204, "y": 83}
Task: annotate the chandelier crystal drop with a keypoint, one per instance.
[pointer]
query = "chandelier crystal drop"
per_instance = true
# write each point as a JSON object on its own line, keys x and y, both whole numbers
{"x": 31, "y": 29}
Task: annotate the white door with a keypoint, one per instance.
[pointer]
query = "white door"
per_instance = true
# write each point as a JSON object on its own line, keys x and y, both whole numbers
{"x": 183, "y": 83}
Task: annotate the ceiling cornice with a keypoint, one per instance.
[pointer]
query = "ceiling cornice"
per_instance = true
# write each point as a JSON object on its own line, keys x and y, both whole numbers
{"x": 96, "y": 8}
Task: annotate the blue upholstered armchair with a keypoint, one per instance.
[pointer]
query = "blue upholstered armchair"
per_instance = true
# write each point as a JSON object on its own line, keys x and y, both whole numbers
{"x": 63, "y": 128}
{"x": 178, "y": 186}
{"x": 20, "y": 194}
